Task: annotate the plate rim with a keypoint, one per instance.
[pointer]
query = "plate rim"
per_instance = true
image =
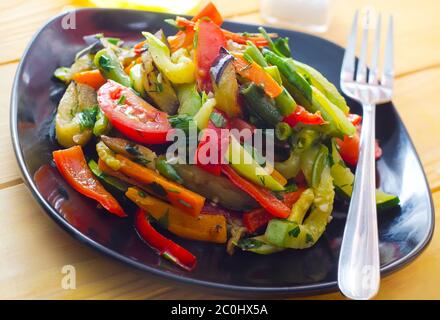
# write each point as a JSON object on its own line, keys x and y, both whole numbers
{"x": 309, "y": 289}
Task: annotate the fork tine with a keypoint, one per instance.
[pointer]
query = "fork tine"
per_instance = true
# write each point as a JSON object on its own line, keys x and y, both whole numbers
{"x": 388, "y": 67}
{"x": 373, "y": 76}
{"x": 361, "y": 74}
{"x": 348, "y": 64}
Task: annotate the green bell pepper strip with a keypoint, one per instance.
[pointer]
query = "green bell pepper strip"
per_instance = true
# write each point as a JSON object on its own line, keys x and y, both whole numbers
{"x": 343, "y": 180}
{"x": 112, "y": 181}
{"x": 261, "y": 104}
{"x": 258, "y": 245}
{"x": 189, "y": 99}
{"x": 102, "y": 125}
{"x": 302, "y": 141}
{"x": 323, "y": 85}
{"x": 167, "y": 170}
{"x": 179, "y": 68}
{"x": 310, "y": 97}
{"x": 246, "y": 166}
{"x": 285, "y": 103}
{"x": 110, "y": 67}
{"x": 297, "y": 232}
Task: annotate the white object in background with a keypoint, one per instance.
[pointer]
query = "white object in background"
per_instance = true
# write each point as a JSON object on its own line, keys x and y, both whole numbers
{"x": 309, "y": 15}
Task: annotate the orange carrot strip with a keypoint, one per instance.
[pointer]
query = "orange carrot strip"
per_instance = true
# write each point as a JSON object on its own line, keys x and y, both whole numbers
{"x": 256, "y": 74}
{"x": 92, "y": 78}
{"x": 187, "y": 200}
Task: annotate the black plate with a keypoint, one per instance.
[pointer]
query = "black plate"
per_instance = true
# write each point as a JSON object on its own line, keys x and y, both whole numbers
{"x": 404, "y": 232}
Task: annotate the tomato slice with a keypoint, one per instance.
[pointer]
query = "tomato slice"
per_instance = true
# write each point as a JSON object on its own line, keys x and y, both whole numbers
{"x": 349, "y": 148}
{"x": 131, "y": 115}
{"x": 209, "y": 41}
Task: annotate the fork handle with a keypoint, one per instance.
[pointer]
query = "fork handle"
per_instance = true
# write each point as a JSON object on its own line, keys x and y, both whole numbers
{"x": 359, "y": 266}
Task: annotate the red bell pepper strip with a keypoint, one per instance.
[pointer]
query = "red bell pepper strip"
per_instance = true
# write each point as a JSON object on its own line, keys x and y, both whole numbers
{"x": 164, "y": 247}
{"x": 255, "y": 219}
{"x": 209, "y": 11}
{"x": 185, "y": 38}
{"x": 72, "y": 165}
{"x": 263, "y": 196}
{"x": 219, "y": 146}
{"x": 209, "y": 41}
{"x": 131, "y": 115}
{"x": 349, "y": 148}
{"x": 258, "y": 40}
{"x": 301, "y": 115}
{"x": 354, "y": 118}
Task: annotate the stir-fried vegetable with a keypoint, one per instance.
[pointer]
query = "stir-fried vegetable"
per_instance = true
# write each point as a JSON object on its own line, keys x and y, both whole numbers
{"x": 226, "y": 99}
{"x": 190, "y": 202}
{"x": 76, "y": 115}
{"x": 164, "y": 247}
{"x": 132, "y": 115}
{"x": 205, "y": 227}
{"x": 73, "y": 167}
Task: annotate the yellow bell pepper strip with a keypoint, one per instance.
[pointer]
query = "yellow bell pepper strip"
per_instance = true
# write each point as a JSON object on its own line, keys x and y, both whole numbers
{"x": 202, "y": 116}
{"x": 190, "y": 202}
{"x": 163, "y": 246}
{"x": 205, "y": 227}
{"x": 92, "y": 78}
{"x": 72, "y": 165}
{"x": 179, "y": 71}
{"x": 243, "y": 163}
{"x": 253, "y": 72}
{"x": 264, "y": 197}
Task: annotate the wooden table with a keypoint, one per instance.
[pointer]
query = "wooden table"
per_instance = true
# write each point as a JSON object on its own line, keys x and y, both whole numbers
{"x": 33, "y": 249}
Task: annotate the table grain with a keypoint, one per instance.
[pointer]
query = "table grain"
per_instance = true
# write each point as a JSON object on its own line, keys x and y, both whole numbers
{"x": 33, "y": 249}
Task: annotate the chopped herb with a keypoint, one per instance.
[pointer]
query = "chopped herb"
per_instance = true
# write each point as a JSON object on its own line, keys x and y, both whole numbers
{"x": 114, "y": 41}
{"x": 218, "y": 120}
{"x": 141, "y": 194}
{"x": 282, "y": 45}
{"x": 121, "y": 100}
{"x": 105, "y": 63}
{"x": 291, "y": 187}
{"x": 173, "y": 23}
{"x": 309, "y": 238}
{"x": 249, "y": 243}
{"x": 87, "y": 117}
{"x": 182, "y": 121}
{"x": 186, "y": 204}
{"x": 142, "y": 161}
{"x": 158, "y": 189}
{"x": 133, "y": 149}
{"x": 295, "y": 232}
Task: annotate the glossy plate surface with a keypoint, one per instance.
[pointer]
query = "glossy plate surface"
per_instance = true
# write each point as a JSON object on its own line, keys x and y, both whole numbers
{"x": 404, "y": 232}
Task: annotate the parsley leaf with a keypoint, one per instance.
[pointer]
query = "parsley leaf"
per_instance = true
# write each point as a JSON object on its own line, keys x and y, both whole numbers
{"x": 87, "y": 117}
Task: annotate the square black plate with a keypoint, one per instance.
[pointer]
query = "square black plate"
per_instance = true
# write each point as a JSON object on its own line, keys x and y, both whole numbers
{"x": 404, "y": 232}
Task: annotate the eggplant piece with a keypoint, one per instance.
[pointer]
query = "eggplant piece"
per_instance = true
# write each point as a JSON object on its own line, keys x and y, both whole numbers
{"x": 133, "y": 151}
{"x": 225, "y": 85}
{"x": 72, "y": 126}
{"x": 157, "y": 87}
{"x": 215, "y": 188}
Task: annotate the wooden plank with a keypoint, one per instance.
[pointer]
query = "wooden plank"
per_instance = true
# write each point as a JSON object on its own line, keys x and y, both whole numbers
{"x": 34, "y": 250}
{"x": 8, "y": 165}
{"x": 29, "y": 233}
{"x": 413, "y": 34}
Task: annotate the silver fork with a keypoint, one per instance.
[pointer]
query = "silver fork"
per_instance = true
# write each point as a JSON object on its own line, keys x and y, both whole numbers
{"x": 359, "y": 265}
